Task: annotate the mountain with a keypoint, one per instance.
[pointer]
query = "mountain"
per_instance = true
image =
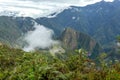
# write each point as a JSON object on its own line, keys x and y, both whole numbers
{"x": 73, "y": 40}
{"x": 12, "y": 28}
{"x": 9, "y": 31}
{"x": 76, "y": 51}
{"x": 100, "y": 21}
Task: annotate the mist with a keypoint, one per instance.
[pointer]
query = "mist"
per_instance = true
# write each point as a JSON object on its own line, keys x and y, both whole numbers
{"x": 41, "y": 37}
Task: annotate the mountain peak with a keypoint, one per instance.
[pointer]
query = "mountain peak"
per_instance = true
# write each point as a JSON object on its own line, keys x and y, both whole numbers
{"x": 72, "y": 40}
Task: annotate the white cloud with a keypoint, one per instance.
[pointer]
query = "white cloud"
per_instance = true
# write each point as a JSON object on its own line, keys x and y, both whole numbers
{"x": 39, "y": 8}
{"x": 41, "y": 37}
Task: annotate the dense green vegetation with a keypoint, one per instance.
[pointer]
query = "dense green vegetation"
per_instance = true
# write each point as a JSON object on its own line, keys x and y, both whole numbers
{"x": 16, "y": 64}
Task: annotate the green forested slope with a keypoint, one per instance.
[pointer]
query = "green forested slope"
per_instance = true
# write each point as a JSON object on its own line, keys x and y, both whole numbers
{"x": 12, "y": 29}
{"x": 16, "y": 64}
{"x": 9, "y": 30}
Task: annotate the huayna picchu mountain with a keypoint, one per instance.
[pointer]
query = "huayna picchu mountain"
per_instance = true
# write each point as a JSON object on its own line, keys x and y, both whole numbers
{"x": 72, "y": 40}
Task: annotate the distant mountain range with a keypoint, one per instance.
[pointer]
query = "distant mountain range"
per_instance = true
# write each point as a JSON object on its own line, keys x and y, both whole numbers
{"x": 11, "y": 29}
{"x": 98, "y": 23}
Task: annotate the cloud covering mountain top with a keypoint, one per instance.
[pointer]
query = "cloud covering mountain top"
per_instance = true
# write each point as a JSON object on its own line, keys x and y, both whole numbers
{"x": 39, "y": 8}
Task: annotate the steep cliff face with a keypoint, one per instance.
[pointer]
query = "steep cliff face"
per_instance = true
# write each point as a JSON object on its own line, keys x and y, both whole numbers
{"x": 72, "y": 40}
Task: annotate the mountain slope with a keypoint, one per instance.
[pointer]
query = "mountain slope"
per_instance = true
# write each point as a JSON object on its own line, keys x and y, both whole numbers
{"x": 12, "y": 28}
{"x": 72, "y": 40}
{"x": 16, "y": 64}
{"x": 9, "y": 31}
{"x": 100, "y": 20}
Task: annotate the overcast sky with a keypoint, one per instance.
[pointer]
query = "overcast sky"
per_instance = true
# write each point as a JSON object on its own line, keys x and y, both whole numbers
{"x": 39, "y": 8}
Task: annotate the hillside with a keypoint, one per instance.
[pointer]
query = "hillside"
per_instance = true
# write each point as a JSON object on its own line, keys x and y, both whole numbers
{"x": 100, "y": 20}
{"x": 12, "y": 29}
{"x": 17, "y": 64}
{"x": 72, "y": 40}
{"x": 9, "y": 31}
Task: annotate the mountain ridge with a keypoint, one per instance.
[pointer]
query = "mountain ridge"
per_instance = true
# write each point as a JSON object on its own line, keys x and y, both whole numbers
{"x": 92, "y": 20}
{"x": 100, "y": 19}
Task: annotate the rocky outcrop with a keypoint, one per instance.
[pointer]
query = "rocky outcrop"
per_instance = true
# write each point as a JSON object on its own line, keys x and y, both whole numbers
{"x": 72, "y": 40}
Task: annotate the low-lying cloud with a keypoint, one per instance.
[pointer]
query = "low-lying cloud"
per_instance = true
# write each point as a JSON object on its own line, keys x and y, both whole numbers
{"x": 41, "y": 37}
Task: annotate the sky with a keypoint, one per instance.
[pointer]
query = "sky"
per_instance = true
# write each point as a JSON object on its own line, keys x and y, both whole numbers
{"x": 39, "y": 8}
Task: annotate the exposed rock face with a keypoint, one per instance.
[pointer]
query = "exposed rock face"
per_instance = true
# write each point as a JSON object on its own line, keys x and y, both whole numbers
{"x": 72, "y": 39}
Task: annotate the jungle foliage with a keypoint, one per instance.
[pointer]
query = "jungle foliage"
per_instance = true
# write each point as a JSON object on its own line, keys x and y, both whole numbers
{"x": 16, "y": 64}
